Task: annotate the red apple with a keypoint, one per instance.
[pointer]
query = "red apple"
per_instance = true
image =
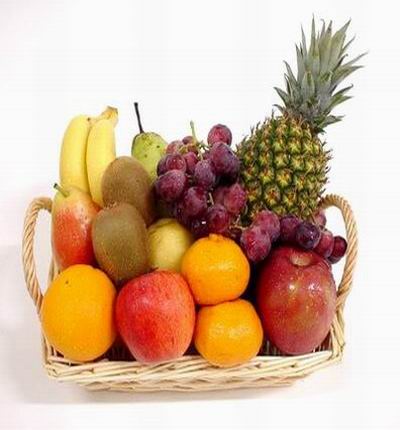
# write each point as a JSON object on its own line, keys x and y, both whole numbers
{"x": 296, "y": 298}
{"x": 155, "y": 316}
{"x": 72, "y": 215}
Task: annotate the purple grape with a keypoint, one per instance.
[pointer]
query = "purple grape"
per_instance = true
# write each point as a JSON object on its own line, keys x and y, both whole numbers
{"x": 224, "y": 160}
{"x": 171, "y": 185}
{"x": 325, "y": 244}
{"x": 339, "y": 249}
{"x": 161, "y": 166}
{"x": 191, "y": 161}
{"x": 195, "y": 201}
{"x": 204, "y": 175}
{"x": 235, "y": 199}
{"x": 219, "y": 133}
{"x": 218, "y": 219}
{"x": 319, "y": 218}
{"x": 199, "y": 227}
{"x": 289, "y": 224}
{"x": 174, "y": 147}
{"x": 190, "y": 144}
{"x": 180, "y": 214}
{"x": 269, "y": 222}
{"x": 175, "y": 162}
{"x": 206, "y": 155}
{"x": 219, "y": 194}
{"x": 188, "y": 140}
{"x": 231, "y": 178}
{"x": 255, "y": 243}
{"x": 307, "y": 235}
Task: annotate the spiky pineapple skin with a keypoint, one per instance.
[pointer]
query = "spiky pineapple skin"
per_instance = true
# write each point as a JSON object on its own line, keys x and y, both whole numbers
{"x": 284, "y": 168}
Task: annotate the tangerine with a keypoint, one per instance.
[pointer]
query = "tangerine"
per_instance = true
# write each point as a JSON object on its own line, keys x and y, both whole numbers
{"x": 216, "y": 270}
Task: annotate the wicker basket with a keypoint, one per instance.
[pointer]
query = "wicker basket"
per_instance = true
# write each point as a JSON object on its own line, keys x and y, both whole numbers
{"x": 191, "y": 372}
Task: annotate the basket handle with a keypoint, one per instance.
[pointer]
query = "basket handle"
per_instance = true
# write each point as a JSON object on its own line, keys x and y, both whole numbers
{"x": 352, "y": 241}
{"x": 28, "y": 259}
{"x": 329, "y": 200}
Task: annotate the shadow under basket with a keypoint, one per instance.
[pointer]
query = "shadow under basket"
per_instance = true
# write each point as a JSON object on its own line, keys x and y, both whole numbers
{"x": 116, "y": 371}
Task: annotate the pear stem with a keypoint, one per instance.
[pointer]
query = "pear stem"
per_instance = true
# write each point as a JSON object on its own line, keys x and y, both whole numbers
{"x": 60, "y": 189}
{"x": 136, "y": 104}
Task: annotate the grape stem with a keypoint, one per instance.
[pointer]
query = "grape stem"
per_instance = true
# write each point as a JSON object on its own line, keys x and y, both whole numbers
{"x": 238, "y": 226}
{"x": 193, "y": 132}
{"x": 200, "y": 145}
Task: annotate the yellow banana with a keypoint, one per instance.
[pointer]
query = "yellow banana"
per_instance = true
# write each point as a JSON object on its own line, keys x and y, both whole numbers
{"x": 100, "y": 151}
{"x": 73, "y": 170}
{"x": 73, "y": 154}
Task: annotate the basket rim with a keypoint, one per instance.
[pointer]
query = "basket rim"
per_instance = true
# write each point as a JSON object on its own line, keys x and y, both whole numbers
{"x": 191, "y": 372}
{"x": 187, "y": 373}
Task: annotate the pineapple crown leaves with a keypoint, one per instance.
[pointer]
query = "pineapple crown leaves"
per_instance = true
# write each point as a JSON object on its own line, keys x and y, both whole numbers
{"x": 321, "y": 67}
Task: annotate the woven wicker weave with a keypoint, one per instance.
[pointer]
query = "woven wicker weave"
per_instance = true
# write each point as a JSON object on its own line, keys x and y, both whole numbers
{"x": 191, "y": 372}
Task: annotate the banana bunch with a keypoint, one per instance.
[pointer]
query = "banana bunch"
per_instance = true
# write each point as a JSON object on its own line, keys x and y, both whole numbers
{"x": 87, "y": 149}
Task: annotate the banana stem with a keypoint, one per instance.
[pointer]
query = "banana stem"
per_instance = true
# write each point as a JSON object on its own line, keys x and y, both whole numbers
{"x": 60, "y": 189}
{"x": 109, "y": 113}
{"x": 112, "y": 113}
{"x": 136, "y": 104}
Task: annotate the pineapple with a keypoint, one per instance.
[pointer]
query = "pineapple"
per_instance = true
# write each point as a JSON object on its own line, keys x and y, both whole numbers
{"x": 284, "y": 162}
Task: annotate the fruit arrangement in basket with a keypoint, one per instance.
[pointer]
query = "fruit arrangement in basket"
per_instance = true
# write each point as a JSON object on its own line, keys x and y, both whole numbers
{"x": 201, "y": 246}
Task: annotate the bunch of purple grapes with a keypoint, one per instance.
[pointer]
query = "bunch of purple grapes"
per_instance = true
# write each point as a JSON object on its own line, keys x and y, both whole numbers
{"x": 267, "y": 228}
{"x": 198, "y": 183}
{"x": 313, "y": 236}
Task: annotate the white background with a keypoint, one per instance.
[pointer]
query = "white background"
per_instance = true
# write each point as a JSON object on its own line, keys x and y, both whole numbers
{"x": 210, "y": 61}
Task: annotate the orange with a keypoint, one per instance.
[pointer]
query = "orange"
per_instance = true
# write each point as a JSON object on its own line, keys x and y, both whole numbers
{"x": 77, "y": 313}
{"x": 228, "y": 334}
{"x": 216, "y": 270}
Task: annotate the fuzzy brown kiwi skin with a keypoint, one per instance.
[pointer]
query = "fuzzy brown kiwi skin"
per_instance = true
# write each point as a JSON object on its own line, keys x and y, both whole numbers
{"x": 120, "y": 242}
{"x": 126, "y": 181}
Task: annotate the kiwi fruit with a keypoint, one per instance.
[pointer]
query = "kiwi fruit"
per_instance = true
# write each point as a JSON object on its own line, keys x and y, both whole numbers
{"x": 120, "y": 242}
{"x": 126, "y": 181}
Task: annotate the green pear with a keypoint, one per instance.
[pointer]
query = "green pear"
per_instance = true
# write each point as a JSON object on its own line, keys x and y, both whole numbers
{"x": 148, "y": 148}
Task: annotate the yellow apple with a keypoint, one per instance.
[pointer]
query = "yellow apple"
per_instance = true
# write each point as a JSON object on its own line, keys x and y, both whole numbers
{"x": 168, "y": 242}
